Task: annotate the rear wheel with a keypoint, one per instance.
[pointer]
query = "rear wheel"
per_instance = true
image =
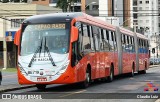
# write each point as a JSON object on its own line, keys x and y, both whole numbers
{"x": 131, "y": 74}
{"x": 110, "y": 77}
{"x": 143, "y": 71}
{"x": 40, "y": 86}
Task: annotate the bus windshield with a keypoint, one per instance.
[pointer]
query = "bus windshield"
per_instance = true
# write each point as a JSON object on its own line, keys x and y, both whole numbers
{"x": 53, "y": 36}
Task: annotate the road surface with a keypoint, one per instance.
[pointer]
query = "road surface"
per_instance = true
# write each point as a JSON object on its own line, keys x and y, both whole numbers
{"x": 122, "y": 85}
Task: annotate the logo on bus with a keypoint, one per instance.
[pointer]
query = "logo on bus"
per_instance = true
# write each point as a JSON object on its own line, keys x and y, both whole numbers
{"x": 41, "y": 59}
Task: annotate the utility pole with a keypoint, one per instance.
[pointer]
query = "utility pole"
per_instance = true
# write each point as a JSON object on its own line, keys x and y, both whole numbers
{"x": 4, "y": 44}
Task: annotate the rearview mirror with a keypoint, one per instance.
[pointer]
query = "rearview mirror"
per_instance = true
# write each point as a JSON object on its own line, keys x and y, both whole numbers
{"x": 74, "y": 34}
{"x": 17, "y": 37}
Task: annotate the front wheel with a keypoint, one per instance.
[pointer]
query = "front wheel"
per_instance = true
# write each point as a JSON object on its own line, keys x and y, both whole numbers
{"x": 85, "y": 83}
{"x": 40, "y": 86}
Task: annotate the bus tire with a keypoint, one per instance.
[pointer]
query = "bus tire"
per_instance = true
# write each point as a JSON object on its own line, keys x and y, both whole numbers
{"x": 41, "y": 86}
{"x": 131, "y": 74}
{"x": 85, "y": 83}
{"x": 111, "y": 75}
{"x": 143, "y": 71}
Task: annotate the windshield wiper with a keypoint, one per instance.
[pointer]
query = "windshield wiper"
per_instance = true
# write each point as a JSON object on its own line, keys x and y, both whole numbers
{"x": 49, "y": 55}
{"x": 38, "y": 50}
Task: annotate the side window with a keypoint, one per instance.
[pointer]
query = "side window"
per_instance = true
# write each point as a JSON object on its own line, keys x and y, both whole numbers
{"x": 123, "y": 42}
{"x": 86, "y": 46}
{"x": 133, "y": 44}
{"x": 79, "y": 26}
{"x": 96, "y": 37}
{"x": 126, "y": 45}
{"x": 130, "y": 44}
{"x": 101, "y": 39}
{"x": 115, "y": 41}
{"x": 105, "y": 40}
{"x": 111, "y": 41}
{"x": 91, "y": 38}
{"x": 142, "y": 46}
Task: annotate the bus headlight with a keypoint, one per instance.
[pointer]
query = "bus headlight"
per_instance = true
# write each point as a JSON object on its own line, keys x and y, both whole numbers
{"x": 63, "y": 68}
{"x": 21, "y": 69}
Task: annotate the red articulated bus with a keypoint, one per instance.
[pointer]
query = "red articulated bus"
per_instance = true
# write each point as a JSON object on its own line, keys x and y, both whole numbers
{"x": 64, "y": 48}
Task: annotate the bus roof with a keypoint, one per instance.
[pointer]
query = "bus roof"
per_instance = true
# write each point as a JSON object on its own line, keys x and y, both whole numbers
{"x": 126, "y": 31}
{"x": 141, "y": 36}
{"x": 79, "y": 16}
{"x": 65, "y": 17}
{"x": 95, "y": 21}
{"x": 52, "y": 18}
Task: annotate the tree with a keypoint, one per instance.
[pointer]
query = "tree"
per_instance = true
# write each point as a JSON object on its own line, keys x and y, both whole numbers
{"x": 5, "y": 1}
{"x": 65, "y": 4}
{"x": 24, "y": 1}
{"x": 16, "y": 0}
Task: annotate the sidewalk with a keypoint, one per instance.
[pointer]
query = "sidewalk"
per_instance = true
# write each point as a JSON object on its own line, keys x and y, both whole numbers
{"x": 6, "y": 88}
{"x": 151, "y": 66}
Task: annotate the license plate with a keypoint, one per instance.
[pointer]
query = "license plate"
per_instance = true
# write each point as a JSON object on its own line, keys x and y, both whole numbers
{"x": 41, "y": 79}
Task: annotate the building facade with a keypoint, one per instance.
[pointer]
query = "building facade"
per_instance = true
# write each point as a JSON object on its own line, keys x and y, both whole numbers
{"x": 146, "y": 19}
{"x": 12, "y": 15}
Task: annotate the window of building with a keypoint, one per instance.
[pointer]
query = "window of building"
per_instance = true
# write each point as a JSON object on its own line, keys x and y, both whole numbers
{"x": 140, "y": 2}
{"x": 140, "y": 8}
{"x": 134, "y": 3}
{"x": 53, "y": 1}
{"x": 95, "y": 7}
{"x": 135, "y": 9}
{"x": 147, "y": 21}
{"x": 140, "y": 14}
{"x": 147, "y": 8}
{"x": 135, "y": 16}
{"x": 147, "y": 2}
{"x": 16, "y": 23}
{"x": 141, "y": 21}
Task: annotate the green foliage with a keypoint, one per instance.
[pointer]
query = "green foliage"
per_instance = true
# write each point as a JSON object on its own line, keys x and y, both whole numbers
{"x": 24, "y": 1}
{"x": 5, "y": 1}
{"x": 64, "y": 4}
{"x": 16, "y": 0}
{"x": 10, "y": 70}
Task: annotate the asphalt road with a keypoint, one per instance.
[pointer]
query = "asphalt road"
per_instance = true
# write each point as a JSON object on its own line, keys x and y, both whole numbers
{"x": 123, "y": 85}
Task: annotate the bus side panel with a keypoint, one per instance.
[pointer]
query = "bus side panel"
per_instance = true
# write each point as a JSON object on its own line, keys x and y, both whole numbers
{"x": 116, "y": 70}
{"x": 89, "y": 59}
{"x": 132, "y": 60}
{"x": 125, "y": 58}
{"x": 102, "y": 64}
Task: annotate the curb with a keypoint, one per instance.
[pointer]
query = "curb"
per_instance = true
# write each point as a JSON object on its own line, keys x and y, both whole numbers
{"x": 154, "y": 66}
{"x": 158, "y": 100}
{"x": 16, "y": 88}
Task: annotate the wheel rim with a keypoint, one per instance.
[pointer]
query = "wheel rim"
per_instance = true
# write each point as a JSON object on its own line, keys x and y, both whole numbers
{"x": 132, "y": 72}
{"x": 87, "y": 77}
{"x": 111, "y": 75}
